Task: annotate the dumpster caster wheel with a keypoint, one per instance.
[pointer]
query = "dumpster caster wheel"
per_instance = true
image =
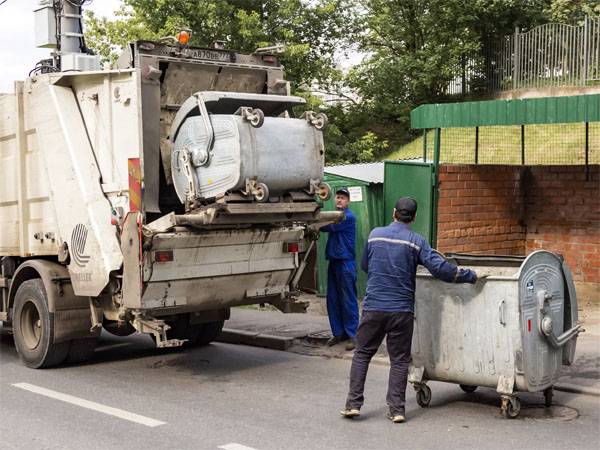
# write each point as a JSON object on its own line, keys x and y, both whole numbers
{"x": 511, "y": 407}
{"x": 424, "y": 396}
{"x": 468, "y": 388}
{"x": 261, "y": 193}
{"x": 548, "y": 393}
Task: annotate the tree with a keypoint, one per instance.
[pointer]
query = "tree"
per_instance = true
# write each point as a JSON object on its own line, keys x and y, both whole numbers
{"x": 416, "y": 47}
{"x": 311, "y": 30}
{"x": 572, "y": 12}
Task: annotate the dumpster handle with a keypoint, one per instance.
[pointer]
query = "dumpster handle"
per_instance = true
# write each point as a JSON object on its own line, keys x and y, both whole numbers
{"x": 546, "y": 324}
{"x": 557, "y": 342}
{"x": 501, "y": 312}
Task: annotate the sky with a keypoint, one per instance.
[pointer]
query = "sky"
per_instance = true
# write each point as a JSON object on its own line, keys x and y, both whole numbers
{"x": 18, "y": 54}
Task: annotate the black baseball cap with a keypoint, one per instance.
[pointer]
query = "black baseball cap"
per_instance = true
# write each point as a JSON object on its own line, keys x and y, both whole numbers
{"x": 406, "y": 207}
{"x": 343, "y": 191}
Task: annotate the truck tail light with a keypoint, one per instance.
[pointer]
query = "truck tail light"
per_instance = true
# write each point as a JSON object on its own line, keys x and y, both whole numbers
{"x": 291, "y": 247}
{"x": 163, "y": 256}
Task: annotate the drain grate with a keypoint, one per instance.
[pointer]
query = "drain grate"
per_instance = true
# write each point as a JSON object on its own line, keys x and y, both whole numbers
{"x": 554, "y": 413}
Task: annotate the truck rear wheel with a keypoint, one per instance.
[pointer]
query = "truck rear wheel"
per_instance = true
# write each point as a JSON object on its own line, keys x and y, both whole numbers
{"x": 208, "y": 332}
{"x": 33, "y": 327}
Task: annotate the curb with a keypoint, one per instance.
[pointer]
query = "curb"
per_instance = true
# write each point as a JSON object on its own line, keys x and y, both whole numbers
{"x": 255, "y": 339}
{"x": 575, "y": 389}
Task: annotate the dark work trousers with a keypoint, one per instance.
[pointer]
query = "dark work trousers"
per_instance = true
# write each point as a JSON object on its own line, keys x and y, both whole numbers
{"x": 342, "y": 305}
{"x": 374, "y": 326}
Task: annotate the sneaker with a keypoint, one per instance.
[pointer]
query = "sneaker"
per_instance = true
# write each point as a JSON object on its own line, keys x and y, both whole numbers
{"x": 351, "y": 345}
{"x": 349, "y": 413}
{"x": 397, "y": 418}
{"x": 334, "y": 341}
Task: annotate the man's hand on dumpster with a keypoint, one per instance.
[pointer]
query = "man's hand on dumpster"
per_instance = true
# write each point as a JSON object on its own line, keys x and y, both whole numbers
{"x": 465, "y": 276}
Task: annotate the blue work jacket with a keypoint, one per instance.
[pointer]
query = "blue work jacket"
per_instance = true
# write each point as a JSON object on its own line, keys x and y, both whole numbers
{"x": 391, "y": 257}
{"x": 342, "y": 238}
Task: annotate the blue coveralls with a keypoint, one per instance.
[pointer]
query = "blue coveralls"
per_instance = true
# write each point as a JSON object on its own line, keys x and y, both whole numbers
{"x": 342, "y": 305}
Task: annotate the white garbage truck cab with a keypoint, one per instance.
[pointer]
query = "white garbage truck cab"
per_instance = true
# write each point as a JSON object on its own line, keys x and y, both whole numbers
{"x": 153, "y": 197}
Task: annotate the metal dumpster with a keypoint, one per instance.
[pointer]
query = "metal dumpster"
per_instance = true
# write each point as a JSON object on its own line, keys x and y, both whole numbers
{"x": 511, "y": 331}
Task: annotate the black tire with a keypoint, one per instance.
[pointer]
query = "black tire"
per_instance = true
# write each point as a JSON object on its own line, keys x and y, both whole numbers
{"x": 424, "y": 396}
{"x": 208, "y": 332}
{"x": 468, "y": 388}
{"x": 196, "y": 335}
{"x": 33, "y": 327}
{"x": 511, "y": 408}
{"x": 81, "y": 350}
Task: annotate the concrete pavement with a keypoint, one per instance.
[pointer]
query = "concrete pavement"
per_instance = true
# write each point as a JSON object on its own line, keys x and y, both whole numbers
{"x": 240, "y": 397}
{"x": 307, "y": 333}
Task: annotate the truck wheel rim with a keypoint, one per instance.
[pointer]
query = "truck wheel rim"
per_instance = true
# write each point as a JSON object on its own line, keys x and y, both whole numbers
{"x": 31, "y": 325}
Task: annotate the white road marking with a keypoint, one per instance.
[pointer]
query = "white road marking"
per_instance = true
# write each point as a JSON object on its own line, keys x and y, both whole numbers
{"x": 122, "y": 414}
{"x": 234, "y": 446}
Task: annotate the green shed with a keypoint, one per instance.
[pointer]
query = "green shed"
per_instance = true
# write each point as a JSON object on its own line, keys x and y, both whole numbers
{"x": 365, "y": 183}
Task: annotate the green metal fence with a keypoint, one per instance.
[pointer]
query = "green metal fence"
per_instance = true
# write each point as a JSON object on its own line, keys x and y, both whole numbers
{"x": 551, "y": 130}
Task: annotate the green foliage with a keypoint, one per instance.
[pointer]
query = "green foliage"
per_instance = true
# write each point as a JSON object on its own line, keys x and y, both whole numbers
{"x": 311, "y": 31}
{"x": 572, "y": 12}
{"x": 412, "y": 49}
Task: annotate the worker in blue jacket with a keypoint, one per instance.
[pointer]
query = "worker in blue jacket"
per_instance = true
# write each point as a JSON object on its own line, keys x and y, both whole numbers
{"x": 390, "y": 258}
{"x": 342, "y": 305}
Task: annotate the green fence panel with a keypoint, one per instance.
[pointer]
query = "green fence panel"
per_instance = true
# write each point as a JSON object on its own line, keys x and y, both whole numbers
{"x": 413, "y": 180}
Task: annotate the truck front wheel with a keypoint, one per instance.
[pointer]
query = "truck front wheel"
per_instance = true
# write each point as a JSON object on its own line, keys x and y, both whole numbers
{"x": 33, "y": 327}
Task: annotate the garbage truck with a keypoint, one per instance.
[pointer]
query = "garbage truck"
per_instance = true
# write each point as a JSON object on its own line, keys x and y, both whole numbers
{"x": 151, "y": 196}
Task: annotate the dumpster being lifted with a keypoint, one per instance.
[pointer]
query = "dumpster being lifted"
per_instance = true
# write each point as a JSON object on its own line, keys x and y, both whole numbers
{"x": 512, "y": 331}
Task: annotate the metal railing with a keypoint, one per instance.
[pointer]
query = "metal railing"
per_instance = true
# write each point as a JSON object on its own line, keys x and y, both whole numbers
{"x": 545, "y": 56}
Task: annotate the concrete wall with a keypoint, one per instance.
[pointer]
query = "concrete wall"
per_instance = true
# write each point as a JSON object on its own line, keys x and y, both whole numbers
{"x": 515, "y": 210}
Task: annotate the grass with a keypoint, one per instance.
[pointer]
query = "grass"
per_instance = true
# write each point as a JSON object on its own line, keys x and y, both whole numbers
{"x": 544, "y": 144}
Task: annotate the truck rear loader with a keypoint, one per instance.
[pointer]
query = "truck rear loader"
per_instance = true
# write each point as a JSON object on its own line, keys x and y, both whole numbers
{"x": 152, "y": 197}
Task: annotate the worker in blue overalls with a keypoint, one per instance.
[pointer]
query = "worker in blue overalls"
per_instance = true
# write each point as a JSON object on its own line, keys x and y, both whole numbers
{"x": 342, "y": 305}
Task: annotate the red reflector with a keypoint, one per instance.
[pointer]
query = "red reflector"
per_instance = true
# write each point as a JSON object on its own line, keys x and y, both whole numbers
{"x": 292, "y": 247}
{"x": 529, "y": 325}
{"x": 163, "y": 256}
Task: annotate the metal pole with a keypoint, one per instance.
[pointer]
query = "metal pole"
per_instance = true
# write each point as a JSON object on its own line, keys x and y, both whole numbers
{"x": 585, "y": 51}
{"x": 425, "y": 145}
{"x": 587, "y": 151}
{"x": 516, "y": 57}
{"x": 476, "y": 145}
{"x": 522, "y": 145}
{"x": 436, "y": 166}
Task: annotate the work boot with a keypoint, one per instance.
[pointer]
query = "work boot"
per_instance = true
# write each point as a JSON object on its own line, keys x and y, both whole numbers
{"x": 334, "y": 341}
{"x": 351, "y": 345}
{"x": 396, "y": 418}
{"x": 350, "y": 413}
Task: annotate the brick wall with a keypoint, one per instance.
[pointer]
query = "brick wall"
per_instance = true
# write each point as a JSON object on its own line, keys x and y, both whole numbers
{"x": 515, "y": 210}
{"x": 480, "y": 210}
{"x": 563, "y": 216}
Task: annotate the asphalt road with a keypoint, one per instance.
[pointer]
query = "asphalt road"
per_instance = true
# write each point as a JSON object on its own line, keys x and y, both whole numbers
{"x": 238, "y": 397}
